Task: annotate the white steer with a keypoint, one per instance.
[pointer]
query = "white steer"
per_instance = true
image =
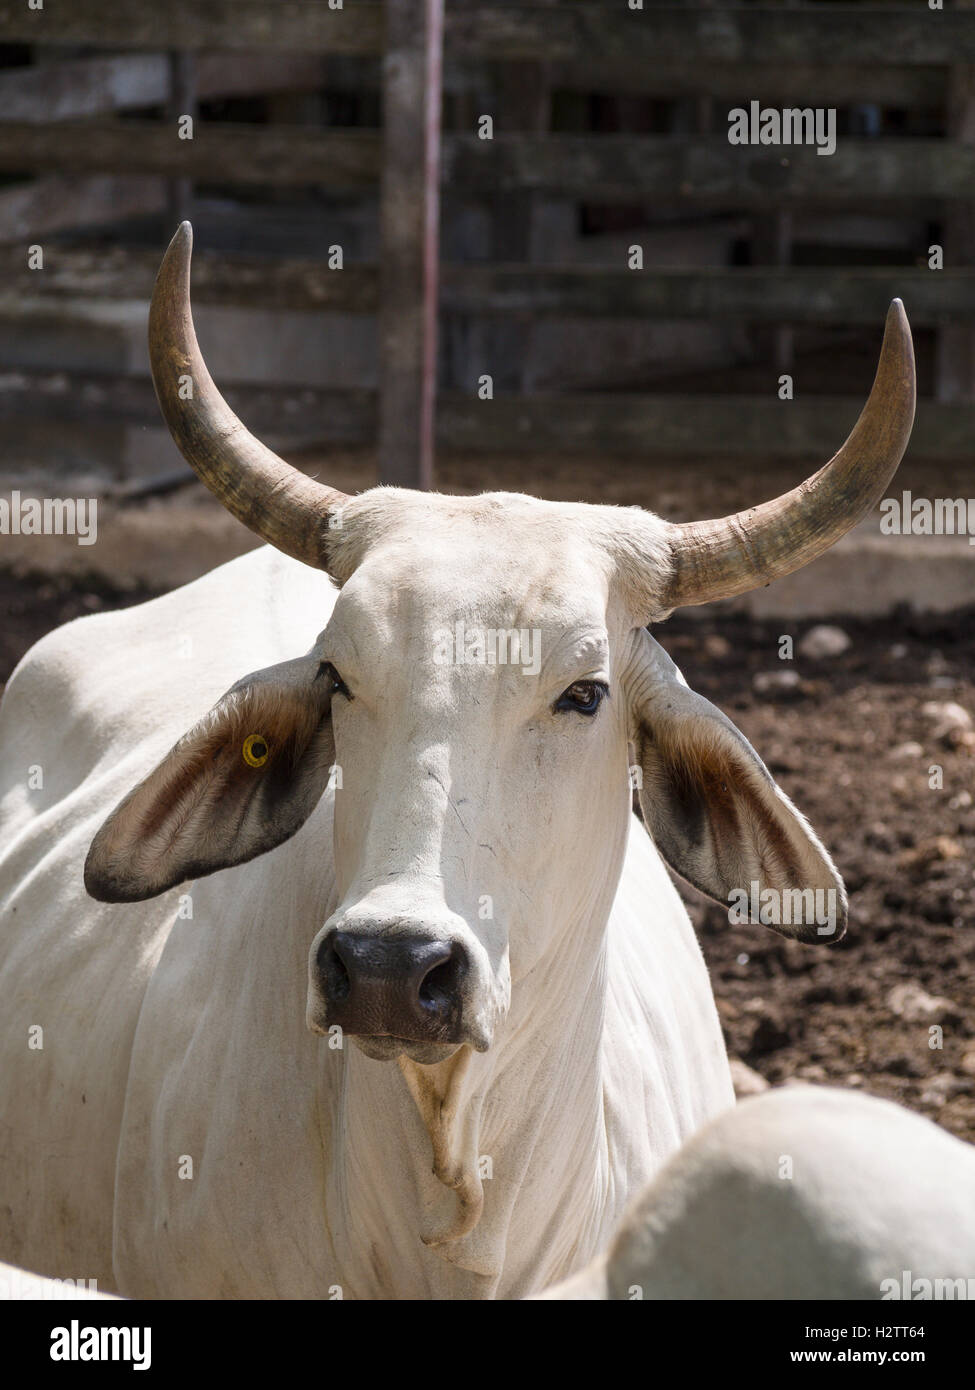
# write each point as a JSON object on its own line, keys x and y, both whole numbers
{"x": 800, "y": 1193}
{"x": 432, "y": 1049}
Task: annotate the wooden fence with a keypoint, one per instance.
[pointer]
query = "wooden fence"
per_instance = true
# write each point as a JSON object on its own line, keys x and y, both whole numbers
{"x": 88, "y": 137}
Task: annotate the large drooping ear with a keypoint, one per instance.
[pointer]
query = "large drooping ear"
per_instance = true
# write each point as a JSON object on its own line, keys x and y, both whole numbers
{"x": 716, "y": 814}
{"x": 239, "y": 783}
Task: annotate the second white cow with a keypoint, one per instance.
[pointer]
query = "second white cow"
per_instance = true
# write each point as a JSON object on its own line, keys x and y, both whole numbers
{"x": 804, "y": 1192}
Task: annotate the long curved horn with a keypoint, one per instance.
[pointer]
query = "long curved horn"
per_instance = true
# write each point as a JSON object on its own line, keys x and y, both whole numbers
{"x": 277, "y": 501}
{"x": 728, "y": 556}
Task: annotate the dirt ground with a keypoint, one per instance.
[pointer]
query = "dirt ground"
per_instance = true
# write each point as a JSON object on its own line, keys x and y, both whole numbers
{"x": 853, "y": 743}
{"x": 852, "y": 740}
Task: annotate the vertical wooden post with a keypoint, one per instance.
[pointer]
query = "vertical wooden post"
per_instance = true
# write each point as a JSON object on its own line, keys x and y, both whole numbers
{"x": 524, "y": 105}
{"x": 409, "y": 239}
{"x": 955, "y": 347}
{"x": 182, "y": 102}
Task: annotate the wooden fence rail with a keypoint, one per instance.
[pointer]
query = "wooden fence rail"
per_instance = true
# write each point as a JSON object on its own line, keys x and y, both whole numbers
{"x": 309, "y": 413}
{"x": 697, "y": 428}
{"x": 683, "y": 169}
{"x": 219, "y": 153}
{"x": 707, "y": 169}
{"x": 58, "y": 91}
{"x": 302, "y": 26}
{"x": 756, "y": 294}
{"x": 566, "y": 33}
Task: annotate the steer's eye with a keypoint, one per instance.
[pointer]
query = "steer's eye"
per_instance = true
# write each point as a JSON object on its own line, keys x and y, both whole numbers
{"x": 584, "y": 697}
{"x": 328, "y": 670}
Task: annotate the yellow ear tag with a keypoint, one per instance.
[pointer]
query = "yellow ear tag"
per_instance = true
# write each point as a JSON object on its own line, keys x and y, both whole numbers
{"x": 256, "y": 751}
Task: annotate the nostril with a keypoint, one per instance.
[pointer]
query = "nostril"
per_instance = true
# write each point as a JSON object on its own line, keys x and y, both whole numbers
{"x": 439, "y": 986}
{"x": 333, "y": 971}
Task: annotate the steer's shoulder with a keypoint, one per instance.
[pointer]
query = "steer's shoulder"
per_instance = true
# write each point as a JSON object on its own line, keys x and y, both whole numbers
{"x": 132, "y": 681}
{"x": 255, "y": 610}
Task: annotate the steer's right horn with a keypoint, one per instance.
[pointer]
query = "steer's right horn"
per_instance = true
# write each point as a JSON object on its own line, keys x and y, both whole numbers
{"x": 274, "y": 499}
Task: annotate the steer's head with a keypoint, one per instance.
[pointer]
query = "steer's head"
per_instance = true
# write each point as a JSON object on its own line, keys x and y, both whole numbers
{"x": 484, "y": 694}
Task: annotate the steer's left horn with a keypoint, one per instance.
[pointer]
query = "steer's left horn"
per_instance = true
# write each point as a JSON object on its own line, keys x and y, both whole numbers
{"x": 718, "y": 559}
{"x": 277, "y": 501}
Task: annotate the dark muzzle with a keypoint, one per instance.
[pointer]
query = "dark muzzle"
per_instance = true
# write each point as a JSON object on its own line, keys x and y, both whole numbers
{"x": 406, "y": 986}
